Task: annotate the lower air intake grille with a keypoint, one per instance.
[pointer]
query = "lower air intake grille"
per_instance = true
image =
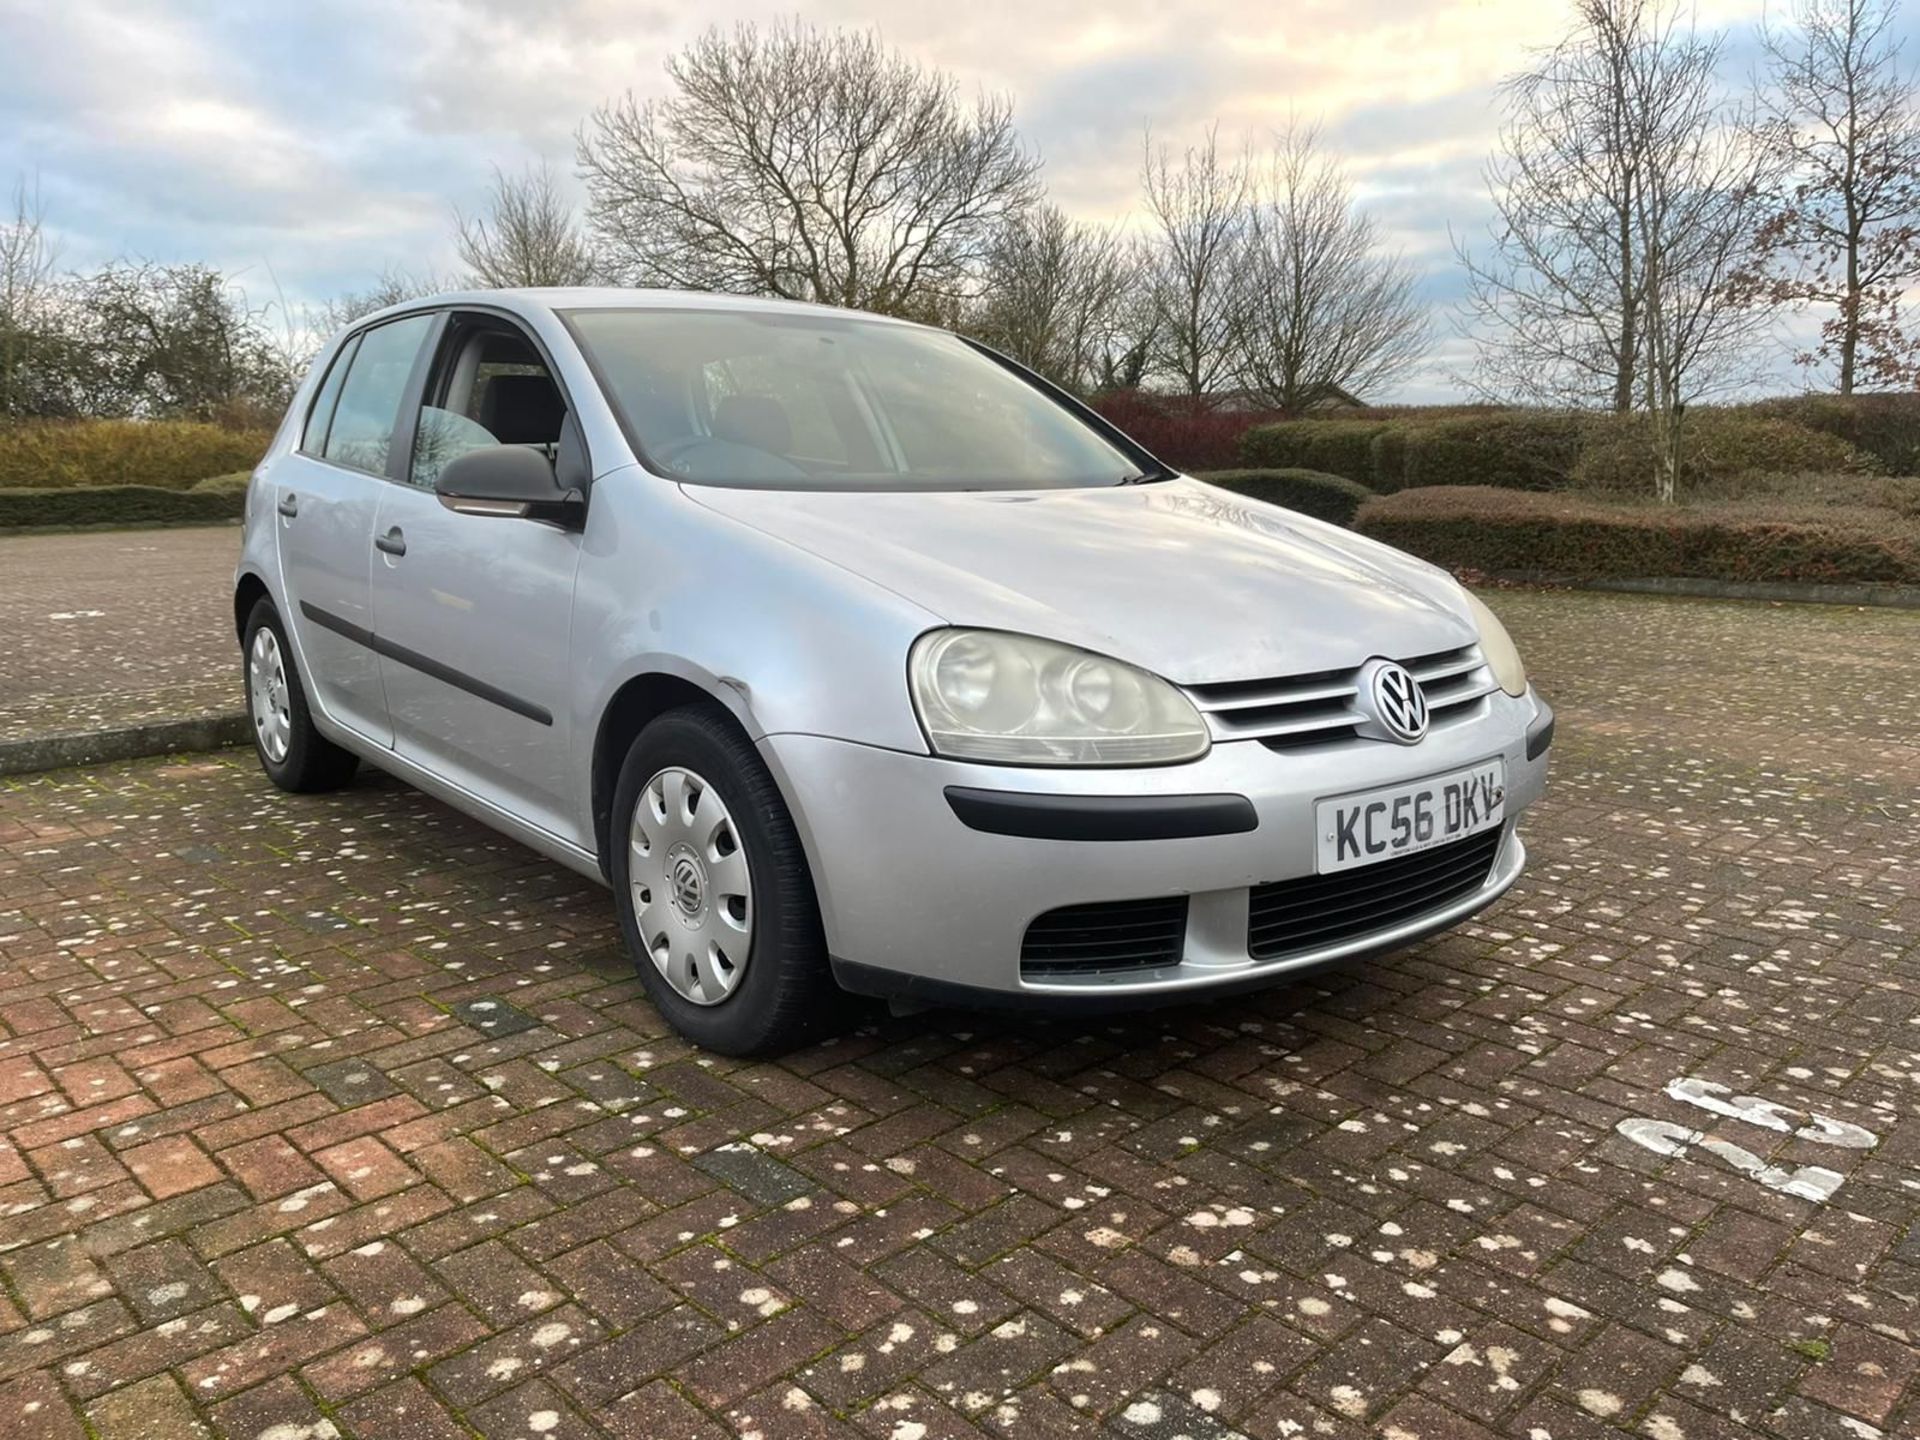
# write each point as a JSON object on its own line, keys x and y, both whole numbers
{"x": 1114, "y": 935}
{"x": 1316, "y": 911}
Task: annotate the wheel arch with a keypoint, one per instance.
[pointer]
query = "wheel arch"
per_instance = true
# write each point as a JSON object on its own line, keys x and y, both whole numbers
{"x": 248, "y": 591}
{"x": 627, "y": 712}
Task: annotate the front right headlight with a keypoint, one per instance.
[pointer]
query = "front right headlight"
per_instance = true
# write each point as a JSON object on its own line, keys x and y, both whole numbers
{"x": 1020, "y": 700}
{"x": 1497, "y": 646}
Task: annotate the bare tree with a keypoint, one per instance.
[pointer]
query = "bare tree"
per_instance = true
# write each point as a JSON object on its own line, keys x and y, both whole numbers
{"x": 1627, "y": 198}
{"x": 1198, "y": 206}
{"x": 1555, "y": 303}
{"x": 1322, "y": 310}
{"x": 529, "y": 236}
{"x": 1697, "y": 204}
{"x": 393, "y": 287}
{"x": 26, "y": 284}
{"x": 1843, "y": 232}
{"x": 813, "y": 165}
{"x": 1053, "y": 296}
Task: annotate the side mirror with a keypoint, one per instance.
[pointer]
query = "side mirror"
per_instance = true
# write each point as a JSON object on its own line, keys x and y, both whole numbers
{"x": 509, "y": 480}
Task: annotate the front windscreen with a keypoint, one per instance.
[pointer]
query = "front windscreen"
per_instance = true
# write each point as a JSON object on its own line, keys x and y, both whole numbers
{"x": 797, "y": 400}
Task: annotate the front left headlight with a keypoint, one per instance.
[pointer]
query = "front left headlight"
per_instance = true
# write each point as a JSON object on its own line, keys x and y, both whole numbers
{"x": 1498, "y": 648}
{"x": 1020, "y": 700}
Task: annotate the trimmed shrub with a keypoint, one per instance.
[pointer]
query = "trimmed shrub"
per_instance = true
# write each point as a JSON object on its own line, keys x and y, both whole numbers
{"x": 117, "y": 505}
{"x": 1186, "y": 433}
{"x": 1563, "y": 536}
{"x": 1419, "y": 412}
{"x": 169, "y": 454}
{"x": 1899, "y": 494}
{"x": 1513, "y": 449}
{"x": 1311, "y": 492}
{"x": 1715, "y": 445}
{"x": 1334, "y": 447}
{"x": 1886, "y": 427}
{"x": 1387, "y": 458}
{"x": 234, "y": 484}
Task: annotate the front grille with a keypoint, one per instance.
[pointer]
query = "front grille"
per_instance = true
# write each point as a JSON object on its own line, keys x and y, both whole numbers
{"x": 1114, "y": 935}
{"x": 1314, "y": 709}
{"x": 1311, "y": 913}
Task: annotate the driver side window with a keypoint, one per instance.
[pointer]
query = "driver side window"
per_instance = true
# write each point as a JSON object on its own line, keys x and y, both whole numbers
{"x": 490, "y": 387}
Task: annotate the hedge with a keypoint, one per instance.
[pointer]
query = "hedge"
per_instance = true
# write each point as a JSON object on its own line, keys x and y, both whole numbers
{"x": 1887, "y": 427}
{"x": 1335, "y": 447}
{"x": 1714, "y": 446}
{"x": 1186, "y": 433}
{"x": 1897, "y": 493}
{"x": 1547, "y": 449}
{"x": 1311, "y": 492}
{"x": 1498, "y": 531}
{"x": 1516, "y": 449}
{"x": 118, "y": 505}
{"x": 230, "y": 485}
{"x": 1388, "y": 457}
{"x": 168, "y": 454}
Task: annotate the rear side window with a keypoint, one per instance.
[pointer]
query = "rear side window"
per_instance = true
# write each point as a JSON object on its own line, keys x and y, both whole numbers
{"x": 314, "y": 439}
{"x": 361, "y": 435}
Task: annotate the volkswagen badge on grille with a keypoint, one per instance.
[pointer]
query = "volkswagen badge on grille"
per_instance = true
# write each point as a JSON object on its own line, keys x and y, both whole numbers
{"x": 1396, "y": 700}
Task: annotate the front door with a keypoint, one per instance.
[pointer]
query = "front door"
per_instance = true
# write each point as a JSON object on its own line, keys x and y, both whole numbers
{"x": 326, "y": 497}
{"x": 474, "y": 611}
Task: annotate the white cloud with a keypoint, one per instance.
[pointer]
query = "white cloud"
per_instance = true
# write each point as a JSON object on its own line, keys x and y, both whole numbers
{"x": 327, "y": 141}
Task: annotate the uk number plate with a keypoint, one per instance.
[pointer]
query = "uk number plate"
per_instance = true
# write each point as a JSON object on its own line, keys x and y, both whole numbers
{"x": 1405, "y": 819}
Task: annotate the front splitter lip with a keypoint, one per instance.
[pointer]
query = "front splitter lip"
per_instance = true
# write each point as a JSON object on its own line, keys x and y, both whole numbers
{"x": 1175, "y": 984}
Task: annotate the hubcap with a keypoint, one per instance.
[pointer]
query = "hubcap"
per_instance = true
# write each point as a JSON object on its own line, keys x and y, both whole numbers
{"x": 267, "y": 696}
{"x": 692, "y": 889}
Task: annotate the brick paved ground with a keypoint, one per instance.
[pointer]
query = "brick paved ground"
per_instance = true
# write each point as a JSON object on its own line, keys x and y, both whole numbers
{"x": 337, "y": 1117}
{"x": 100, "y": 630}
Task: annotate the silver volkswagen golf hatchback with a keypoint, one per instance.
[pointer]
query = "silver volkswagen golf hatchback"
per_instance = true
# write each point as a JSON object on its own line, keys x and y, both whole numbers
{"x": 855, "y": 657}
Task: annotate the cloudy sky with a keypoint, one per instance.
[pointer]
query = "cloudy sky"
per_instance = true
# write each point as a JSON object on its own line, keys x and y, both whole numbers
{"x": 306, "y": 148}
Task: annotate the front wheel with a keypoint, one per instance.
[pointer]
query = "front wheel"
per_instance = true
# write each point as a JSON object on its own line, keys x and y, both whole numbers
{"x": 715, "y": 899}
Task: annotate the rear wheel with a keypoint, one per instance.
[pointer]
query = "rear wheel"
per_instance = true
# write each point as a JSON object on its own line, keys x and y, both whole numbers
{"x": 295, "y": 755}
{"x": 715, "y": 899}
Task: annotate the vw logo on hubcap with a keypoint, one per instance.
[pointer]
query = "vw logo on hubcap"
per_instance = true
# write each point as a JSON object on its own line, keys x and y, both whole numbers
{"x": 1397, "y": 701}
{"x": 689, "y": 885}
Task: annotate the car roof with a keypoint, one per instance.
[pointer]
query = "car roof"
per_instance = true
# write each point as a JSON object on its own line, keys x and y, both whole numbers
{"x": 615, "y": 297}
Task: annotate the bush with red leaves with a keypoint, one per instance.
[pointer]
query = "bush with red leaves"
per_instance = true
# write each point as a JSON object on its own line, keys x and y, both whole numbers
{"x": 1188, "y": 433}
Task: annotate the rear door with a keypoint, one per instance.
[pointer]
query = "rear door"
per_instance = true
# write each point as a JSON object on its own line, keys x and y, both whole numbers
{"x": 326, "y": 497}
{"x": 474, "y": 611}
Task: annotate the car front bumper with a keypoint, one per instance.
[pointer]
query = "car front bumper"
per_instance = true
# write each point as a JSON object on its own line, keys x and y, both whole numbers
{"x": 921, "y": 905}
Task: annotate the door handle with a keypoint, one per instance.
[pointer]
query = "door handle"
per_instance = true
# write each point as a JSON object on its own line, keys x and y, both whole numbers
{"x": 391, "y": 543}
{"x": 289, "y": 505}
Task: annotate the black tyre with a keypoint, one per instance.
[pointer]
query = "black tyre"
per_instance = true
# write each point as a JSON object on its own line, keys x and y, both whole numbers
{"x": 715, "y": 898}
{"x": 295, "y": 755}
